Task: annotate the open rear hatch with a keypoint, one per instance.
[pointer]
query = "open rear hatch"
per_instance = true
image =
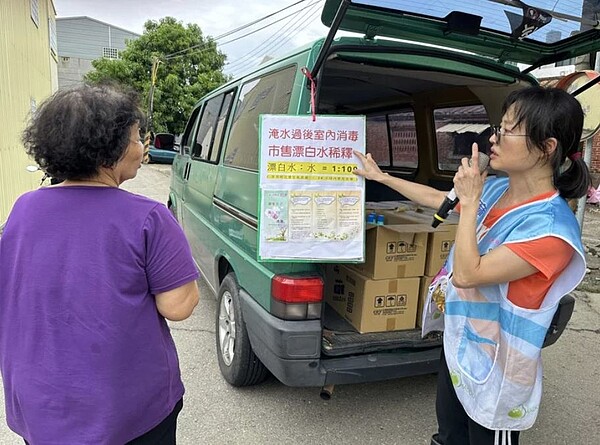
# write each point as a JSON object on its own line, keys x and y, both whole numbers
{"x": 356, "y": 78}
{"x": 537, "y": 33}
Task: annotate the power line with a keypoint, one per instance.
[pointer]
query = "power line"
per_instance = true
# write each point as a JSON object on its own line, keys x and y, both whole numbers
{"x": 296, "y": 30}
{"x": 275, "y": 44}
{"x": 229, "y": 41}
{"x": 294, "y": 27}
{"x": 233, "y": 31}
{"x": 235, "y": 39}
{"x": 274, "y": 39}
{"x": 258, "y": 20}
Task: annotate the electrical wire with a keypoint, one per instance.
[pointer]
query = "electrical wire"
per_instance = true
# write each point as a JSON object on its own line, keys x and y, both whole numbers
{"x": 278, "y": 39}
{"x": 233, "y": 31}
{"x": 206, "y": 44}
{"x": 274, "y": 46}
{"x": 315, "y": 13}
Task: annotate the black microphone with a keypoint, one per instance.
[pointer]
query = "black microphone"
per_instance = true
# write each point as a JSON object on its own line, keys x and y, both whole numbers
{"x": 451, "y": 199}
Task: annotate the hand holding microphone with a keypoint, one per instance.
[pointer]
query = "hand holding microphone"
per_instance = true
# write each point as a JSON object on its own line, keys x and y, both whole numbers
{"x": 481, "y": 160}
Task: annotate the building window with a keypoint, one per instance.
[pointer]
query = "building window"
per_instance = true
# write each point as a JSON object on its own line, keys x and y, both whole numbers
{"x": 35, "y": 11}
{"x": 52, "y": 35}
{"x": 110, "y": 53}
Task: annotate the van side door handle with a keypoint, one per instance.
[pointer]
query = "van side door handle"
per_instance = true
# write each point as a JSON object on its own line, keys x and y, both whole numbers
{"x": 186, "y": 172}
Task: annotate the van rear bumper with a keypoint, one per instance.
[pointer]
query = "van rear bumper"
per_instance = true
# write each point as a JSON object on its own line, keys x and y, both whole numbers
{"x": 291, "y": 350}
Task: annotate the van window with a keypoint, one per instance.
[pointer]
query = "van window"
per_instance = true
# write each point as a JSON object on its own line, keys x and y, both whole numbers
{"x": 269, "y": 94}
{"x": 378, "y": 140}
{"x": 188, "y": 133}
{"x": 403, "y": 132}
{"x": 206, "y": 128}
{"x": 218, "y": 140}
{"x": 392, "y": 139}
{"x": 456, "y": 128}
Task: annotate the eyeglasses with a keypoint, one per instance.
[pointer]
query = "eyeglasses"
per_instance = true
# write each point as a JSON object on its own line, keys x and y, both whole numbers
{"x": 498, "y": 131}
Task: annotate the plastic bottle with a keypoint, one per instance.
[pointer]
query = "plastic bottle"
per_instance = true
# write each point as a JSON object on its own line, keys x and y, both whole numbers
{"x": 371, "y": 218}
{"x": 380, "y": 220}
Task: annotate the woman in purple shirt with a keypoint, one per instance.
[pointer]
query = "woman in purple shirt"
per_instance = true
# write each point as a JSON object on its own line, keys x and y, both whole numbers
{"x": 88, "y": 274}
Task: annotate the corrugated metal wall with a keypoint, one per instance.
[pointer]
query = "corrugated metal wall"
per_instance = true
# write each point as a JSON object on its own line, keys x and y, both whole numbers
{"x": 80, "y": 40}
{"x": 84, "y": 37}
{"x": 28, "y": 75}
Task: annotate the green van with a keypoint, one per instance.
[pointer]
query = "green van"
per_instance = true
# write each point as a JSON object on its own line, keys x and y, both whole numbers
{"x": 430, "y": 80}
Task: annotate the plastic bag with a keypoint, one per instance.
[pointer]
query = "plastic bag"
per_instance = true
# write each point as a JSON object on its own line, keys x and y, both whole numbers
{"x": 593, "y": 195}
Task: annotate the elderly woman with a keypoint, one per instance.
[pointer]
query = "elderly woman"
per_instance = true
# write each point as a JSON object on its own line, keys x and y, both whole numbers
{"x": 517, "y": 252}
{"x": 88, "y": 274}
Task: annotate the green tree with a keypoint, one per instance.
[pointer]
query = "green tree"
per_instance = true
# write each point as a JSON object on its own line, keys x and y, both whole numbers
{"x": 189, "y": 66}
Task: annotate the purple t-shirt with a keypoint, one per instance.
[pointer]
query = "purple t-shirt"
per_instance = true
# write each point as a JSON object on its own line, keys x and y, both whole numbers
{"x": 85, "y": 356}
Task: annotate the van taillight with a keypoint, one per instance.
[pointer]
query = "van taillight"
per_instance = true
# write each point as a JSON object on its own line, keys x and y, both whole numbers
{"x": 297, "y": 290}
{"x": 296, "y": 297}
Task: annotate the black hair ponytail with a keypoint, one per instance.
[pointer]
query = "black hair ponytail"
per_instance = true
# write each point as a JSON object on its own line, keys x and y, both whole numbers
{"x": 575, "y": 181}
{"x": 554, "y": 113}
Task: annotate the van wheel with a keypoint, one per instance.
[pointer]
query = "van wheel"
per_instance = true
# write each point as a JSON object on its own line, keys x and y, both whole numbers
{"x": 237, "y": 361}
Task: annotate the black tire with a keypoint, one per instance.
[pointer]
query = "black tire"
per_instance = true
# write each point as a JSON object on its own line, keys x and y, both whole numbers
{"x": 150, "y": 160}
{"x": 237, "y": 361}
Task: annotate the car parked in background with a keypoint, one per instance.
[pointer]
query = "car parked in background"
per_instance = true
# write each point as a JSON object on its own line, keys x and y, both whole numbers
{"x": 163, "y": 149}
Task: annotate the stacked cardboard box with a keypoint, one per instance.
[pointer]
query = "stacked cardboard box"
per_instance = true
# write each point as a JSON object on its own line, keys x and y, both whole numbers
{"x": 388, "y": 290}
{"x": 439, "y": 243}
{"x": 382, "y": 293}
{"x": 398, "y": 249}
{"x": 372, "y": 305}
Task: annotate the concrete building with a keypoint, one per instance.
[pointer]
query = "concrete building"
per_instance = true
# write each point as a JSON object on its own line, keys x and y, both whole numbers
{"x": 28, "y": 75}
{"x": 82, "y": 40}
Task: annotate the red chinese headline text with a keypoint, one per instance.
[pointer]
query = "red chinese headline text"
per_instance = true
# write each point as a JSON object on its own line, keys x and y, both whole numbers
{"x": 313, "y": 135}
{"x": 301, "y": 151}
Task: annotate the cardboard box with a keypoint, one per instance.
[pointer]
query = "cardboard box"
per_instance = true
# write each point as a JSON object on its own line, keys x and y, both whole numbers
{"x": 438, "y": 247}
{"x": 334, "y": 289}
{"x": 440, "y": 240}
{"x": 397, "y": 249}
{"x": 372, "y": 305}
{"x": 424, "y": 287}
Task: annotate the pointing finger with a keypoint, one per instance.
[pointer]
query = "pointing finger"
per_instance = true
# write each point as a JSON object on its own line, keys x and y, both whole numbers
{"x": 475, "y": 155}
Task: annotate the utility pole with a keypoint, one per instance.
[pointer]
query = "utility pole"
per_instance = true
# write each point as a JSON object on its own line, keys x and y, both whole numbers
{"x": 149, "y": 132}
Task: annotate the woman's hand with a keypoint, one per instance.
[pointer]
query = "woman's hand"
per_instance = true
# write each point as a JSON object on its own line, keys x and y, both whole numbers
{"x": 370, "y": 169}
{"x": 468, "y": 181}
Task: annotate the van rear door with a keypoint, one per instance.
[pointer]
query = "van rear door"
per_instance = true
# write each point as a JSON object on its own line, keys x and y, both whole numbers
{"x": 536, "y": 33}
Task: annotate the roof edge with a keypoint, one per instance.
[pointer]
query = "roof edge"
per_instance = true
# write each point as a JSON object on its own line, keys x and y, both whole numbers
{"x": 78, "y": 17}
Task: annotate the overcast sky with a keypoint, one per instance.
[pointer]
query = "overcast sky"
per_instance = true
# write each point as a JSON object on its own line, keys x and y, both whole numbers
{"x": 215, "y": 17}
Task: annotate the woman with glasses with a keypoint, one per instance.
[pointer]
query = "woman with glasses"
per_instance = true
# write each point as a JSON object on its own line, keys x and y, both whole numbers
{"x": 88, "y": 274}
{"x": 517, "y": 252}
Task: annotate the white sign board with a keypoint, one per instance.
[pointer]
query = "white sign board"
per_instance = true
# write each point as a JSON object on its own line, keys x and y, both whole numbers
{"x": 311, "y": 202}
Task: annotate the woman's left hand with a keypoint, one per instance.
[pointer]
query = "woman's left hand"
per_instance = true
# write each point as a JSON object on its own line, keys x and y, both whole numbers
{"x": 468, "y": 181}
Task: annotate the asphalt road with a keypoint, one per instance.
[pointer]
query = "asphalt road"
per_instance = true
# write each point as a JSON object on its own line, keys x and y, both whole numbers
{"x": 393, "y": 412}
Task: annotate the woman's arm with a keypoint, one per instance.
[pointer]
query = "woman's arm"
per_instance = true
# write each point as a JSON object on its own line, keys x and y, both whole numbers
{"x": 179, "y": 303}
{"x": 421, "y": 194}
{"x": 500, "y": 265}
{"x": 170, "y": 268}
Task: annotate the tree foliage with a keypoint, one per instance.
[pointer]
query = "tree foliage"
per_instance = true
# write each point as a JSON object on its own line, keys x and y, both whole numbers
{"x": 189, "y": 67}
